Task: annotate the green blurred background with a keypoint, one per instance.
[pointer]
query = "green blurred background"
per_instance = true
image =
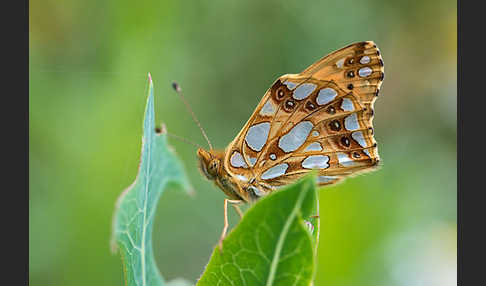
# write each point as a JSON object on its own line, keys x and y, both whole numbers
{"x": 88, "y": 78}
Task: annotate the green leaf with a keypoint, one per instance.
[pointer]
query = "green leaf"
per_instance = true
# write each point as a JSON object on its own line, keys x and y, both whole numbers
{"x": 135, "y": 208}
{"x": 272, "y": 244}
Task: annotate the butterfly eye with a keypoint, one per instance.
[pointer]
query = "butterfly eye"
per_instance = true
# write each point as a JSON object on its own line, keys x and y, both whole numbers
{"x": 335, "y": 125}
{"x": 345, "y": 141}
{"x": 213, "y": 167}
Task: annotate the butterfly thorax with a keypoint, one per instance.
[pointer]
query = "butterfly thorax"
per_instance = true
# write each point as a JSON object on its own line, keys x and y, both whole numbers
{"x": 211, "y": 166}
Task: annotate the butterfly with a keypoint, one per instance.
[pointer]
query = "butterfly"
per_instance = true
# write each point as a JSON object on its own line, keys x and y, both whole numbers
{"x": 319, "y": 119}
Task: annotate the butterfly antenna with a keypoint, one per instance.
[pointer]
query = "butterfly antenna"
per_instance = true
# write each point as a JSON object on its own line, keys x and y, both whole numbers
{"x": 177, "y": 88}
{"x": 163, "y": 130}
{"x": 184, "y": 140}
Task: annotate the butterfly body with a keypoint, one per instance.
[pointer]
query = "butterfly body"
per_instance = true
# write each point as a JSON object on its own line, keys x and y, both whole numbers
{"x": 319, "y": 119}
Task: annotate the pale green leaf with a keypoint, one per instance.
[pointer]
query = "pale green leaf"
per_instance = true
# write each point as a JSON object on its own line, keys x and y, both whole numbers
{"x": 135, "y": 208}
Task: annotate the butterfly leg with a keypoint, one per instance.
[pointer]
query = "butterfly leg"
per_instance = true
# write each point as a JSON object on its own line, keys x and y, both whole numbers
{"x": 226, "y": 224}
{"x": 238, "y": 210}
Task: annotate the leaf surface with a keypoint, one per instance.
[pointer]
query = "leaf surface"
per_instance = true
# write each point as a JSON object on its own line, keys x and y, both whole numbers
{"x": 272, "y": 244}
{"x": 135, "y": 208}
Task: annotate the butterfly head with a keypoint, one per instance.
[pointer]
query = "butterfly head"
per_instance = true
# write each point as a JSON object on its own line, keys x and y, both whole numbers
{"x": 209, "y": 163}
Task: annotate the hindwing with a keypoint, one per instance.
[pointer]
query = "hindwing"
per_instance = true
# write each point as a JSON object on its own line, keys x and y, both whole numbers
{"x": 319, "y": 119}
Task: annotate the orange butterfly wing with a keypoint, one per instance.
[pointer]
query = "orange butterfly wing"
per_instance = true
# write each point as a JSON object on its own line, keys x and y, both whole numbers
{"x": 320, "y": 119}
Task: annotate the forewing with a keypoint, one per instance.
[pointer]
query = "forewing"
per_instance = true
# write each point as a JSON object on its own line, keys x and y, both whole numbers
{"x": 318, "y": 119}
